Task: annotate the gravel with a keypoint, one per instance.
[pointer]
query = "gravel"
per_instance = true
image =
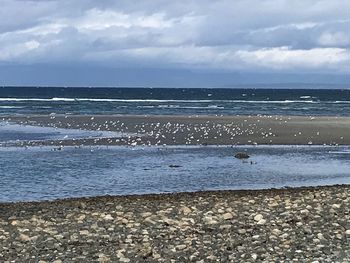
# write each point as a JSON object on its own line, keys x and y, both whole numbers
{"x": 301, "y": 225}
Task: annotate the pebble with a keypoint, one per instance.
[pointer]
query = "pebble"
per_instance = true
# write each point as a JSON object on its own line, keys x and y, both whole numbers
{"x": 24, "y": 238}
{"x": 192, "y": 227}
{"x": 261, "y": 222}
{"x": 258, "y": 217}
{"x": 227, "y": 216}
{"x": 185, "y": 210}
{"x": 108, "y": 217}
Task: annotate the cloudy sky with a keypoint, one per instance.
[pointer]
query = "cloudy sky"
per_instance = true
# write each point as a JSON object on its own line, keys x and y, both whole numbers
{"x": 169, "y": 43}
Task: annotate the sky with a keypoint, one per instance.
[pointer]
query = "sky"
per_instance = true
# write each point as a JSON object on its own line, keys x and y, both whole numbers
{"x": 217, "y": 43}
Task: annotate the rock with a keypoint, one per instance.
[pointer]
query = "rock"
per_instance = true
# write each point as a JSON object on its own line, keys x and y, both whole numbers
{"x": 146, "y": 214}
{"x": 180, "y": 247}
{"x": 258, "y": 217}
{"x": 347, "y": 232}
{"x": 174, "y": 166}
{"x": 227, "y": 216}
{"x": 242, "y": 231}
{"x": 24, "y": 238}
{"x": 185, "y": 210}
{"x": 276, "y": 231}
{"x": 103, "y": 258}
{"x": 242, "y": 155}
{"x": 261, "y": 222}
{"x": 304, "y": 211}
{"x": 210, "y": 221}
{"x": 81, "y": 217}
{"x": 146, "y": 252}
{"x": 108, "y": 217}
{"x": 84, "y": 232}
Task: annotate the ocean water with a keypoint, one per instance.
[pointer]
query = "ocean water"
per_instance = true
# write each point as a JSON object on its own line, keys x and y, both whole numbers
{"x": 46, "y": 173}
{"x": 175, "y": 101}
{"x": 40, "y": 173}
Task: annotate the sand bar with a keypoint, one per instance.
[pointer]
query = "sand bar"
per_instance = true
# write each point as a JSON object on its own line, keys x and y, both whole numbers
{"x": 205, "y": 130}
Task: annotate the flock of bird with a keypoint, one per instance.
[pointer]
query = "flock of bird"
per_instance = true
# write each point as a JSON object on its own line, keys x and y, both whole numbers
{"x": 147, "y": 132}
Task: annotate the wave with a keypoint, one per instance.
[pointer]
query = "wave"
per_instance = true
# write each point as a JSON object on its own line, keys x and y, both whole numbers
{"x": 167, "y": 100}
{"x": 11, "y": 107}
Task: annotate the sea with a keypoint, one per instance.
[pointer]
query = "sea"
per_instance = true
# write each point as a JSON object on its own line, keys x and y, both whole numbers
{"x": 175, "y": 101}
{"x": 44, "y": 173}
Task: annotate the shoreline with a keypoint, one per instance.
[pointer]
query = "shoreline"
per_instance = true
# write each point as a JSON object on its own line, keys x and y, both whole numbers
{"x": 175, "y": 195}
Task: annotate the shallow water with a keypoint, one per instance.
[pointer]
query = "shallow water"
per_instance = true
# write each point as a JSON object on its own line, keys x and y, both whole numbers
{"x": 40, "y": 173}
{"x": 12, "y": 132}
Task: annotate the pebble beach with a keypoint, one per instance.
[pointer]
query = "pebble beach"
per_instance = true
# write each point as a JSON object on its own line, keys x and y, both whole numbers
{"x": 285, "y": 225}
{"x": 310, "y": 224}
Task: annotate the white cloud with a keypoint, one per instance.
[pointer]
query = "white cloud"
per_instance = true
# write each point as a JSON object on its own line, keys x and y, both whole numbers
{"x": 286, "y": 58}
{"x": 243, "y": 34}
{"x": 17, "y": 50}
{"x": 334, "y": 39}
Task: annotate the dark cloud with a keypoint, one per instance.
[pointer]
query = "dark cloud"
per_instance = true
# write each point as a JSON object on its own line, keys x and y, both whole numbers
{"x": 243, "y": 35}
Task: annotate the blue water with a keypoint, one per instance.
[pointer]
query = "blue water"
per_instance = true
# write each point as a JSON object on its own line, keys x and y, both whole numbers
{"x": 293, "y": 101}
{"x": 38, "y": 173}
{"x": 41, "y": 173}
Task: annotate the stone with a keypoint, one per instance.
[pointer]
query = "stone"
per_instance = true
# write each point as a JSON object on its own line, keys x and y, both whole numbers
{"x": 180, "y": 247}
{"x": 146, "y": 214}
{"x": 258, "y": 217}
{"x": 84, "y": 232}
{"x": 261, "y": 222}
{"x": 242, "y": 155}
{"x": 242, "y": 231}
{"x": 210, "y": 221}
{"x": 103, "y": 258}
{"x": 185, "y": 210}
{"x": 81, "y": 217}
{"x": 174, "y": 166}
{"x": 227, "y": 216}
{"x": 347, "y": 232}
{"x": 108, "y": 217}
{"x": 146, "y": 252}
{"x": 304, "y": 211}
{"x": 24, "y": 238}
{"x": 276, "y": 231}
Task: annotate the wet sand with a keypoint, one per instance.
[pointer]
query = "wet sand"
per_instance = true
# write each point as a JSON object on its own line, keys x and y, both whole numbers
{"x": 204, "y": 130}
{"x": 302, "y": 225}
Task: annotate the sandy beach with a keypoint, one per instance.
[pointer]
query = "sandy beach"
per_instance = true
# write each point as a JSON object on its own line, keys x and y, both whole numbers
{"x": 204, "y": 130}
{"x": 302, "y": 225}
